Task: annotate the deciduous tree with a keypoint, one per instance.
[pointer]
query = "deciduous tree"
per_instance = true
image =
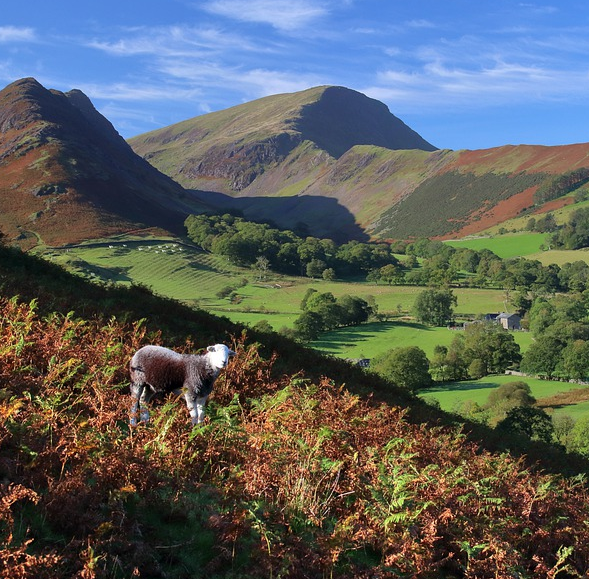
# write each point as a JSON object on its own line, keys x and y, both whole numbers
{"x": 435, "y": 307}
{"x": 407, "y": 367}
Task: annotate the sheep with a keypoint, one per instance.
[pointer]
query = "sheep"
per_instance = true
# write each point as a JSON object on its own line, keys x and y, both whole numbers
{"x": 155, "y": 369}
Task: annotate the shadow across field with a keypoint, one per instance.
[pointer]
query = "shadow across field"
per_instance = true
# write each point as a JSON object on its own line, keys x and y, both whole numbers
{"x": 463, "y": 386}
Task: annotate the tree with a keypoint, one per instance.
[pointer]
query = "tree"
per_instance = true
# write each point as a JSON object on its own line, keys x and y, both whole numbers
{"x": 407, "y": 367}
{"x": 262, "y": 266}
{"x": 308, "y": 326}
{"x": 328, "y": 274}
{"x": 575, "y": 360}
{"x": 494, "y": 347}
{"x": 435, "y": 306}
{"x": 315, "y": 268}
{"x": 447, "y": 364}
{"x": 578, "y": 437}
{"x": 506, "y": 397}
{"x": 390, "y": 273}
{"x": 563, "y": 425}
{"x": 512, "y": 394}
{"x": 353, "y": 310}
{"x": 326, "y": 306}
{"x": 477, "y": 369}
{"x": 543, "y": 356}
{"x": 263, "y": 326}
{"x": 528, "y": 420}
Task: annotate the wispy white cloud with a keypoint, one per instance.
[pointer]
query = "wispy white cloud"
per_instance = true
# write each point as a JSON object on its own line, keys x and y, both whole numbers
{"x": 17, "y": 34}
{"x": 484, "y": 69}
{"x": 138, "y": 92}
{"x": 285, "y": 15}
{"x": 537, "y": 9}
{"x": 263, "y": 82}
{"x": 173, "y": 41}
{"x": 421, "y": 23}
{"x": 437, "y": 85}
{"x": 186, "y": 62}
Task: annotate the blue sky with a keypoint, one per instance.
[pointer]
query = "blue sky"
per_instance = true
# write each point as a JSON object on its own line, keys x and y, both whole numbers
{"x": 464, "y": 74}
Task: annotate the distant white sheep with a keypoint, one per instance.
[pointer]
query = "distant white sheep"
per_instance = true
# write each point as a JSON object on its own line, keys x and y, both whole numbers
{"x": 156, "y": 369}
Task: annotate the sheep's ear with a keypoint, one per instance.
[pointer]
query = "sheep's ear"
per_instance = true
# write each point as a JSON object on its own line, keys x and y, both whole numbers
{"x": 231, "y": 353}
{"x": 210, "y": 348}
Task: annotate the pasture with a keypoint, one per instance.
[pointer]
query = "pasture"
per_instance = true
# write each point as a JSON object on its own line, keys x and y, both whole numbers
{"x": 561, "y": 256}
{"x": 505, "y": 246}
{"x": 183, "y": 272}
{"x": 372, "y": 339}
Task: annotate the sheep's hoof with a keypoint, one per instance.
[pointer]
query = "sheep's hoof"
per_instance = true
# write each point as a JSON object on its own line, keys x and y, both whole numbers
{"x": 143, "y": 417}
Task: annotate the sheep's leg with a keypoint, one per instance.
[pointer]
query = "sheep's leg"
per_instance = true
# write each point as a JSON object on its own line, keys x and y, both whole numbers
{"x": 196, "y": 407}
{"x": 147, "y": 395}
{"x": 142, "y": 394}
{"x": 136, "y": 392}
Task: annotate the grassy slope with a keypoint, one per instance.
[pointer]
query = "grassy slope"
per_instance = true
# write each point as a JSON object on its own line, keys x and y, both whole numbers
{"x": 288, "y": 477}
{"x": 257, "y": 120}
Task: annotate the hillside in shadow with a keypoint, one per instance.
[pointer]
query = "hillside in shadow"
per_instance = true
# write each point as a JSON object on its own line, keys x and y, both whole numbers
{"x": 317, "y": 216}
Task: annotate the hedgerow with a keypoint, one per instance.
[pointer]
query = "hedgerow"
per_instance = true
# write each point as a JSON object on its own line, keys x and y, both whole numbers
{"x": 289, "y": 476}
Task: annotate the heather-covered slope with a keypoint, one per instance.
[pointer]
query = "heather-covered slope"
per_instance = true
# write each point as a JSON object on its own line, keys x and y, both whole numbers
{"x": 305, "y": 467}
{"x": 67, "y": 175}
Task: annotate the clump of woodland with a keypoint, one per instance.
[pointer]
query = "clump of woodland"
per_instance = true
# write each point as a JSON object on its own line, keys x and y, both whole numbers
{"x": 291, "y": 475}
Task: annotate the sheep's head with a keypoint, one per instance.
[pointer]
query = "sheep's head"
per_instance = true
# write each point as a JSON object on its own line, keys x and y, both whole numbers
{"x": 219, "y": 355}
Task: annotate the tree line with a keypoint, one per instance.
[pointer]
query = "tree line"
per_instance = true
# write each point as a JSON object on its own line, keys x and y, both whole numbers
{"x": 244, "y": 242}
{"x": 421, "y": 262}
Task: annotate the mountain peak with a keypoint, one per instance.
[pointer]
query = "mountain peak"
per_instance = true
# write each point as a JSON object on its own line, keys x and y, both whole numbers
{"x": 226, "y": 151}
{"x": 63, "y": 162}
{"x": 342, "y": 118}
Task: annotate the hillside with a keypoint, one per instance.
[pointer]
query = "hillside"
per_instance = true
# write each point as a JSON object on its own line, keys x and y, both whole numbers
{"x": 344, "y": 166}
{"x": 67, "y": 175}
{"x": 305, "y": 466}
{"x": 235, "y": 146}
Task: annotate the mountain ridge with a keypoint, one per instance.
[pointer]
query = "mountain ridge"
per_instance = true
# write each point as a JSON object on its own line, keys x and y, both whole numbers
{"x": 327, "y": 160}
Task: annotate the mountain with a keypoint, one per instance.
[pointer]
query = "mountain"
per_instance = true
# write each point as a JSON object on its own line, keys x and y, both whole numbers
{"x": 67, "y": 175}
{"x": 341, "y": 165}
{"x": 278, "y": 146}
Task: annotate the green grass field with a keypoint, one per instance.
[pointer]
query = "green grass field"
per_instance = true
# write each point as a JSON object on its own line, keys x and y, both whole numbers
{"x": 505, "y": 246}
{"x": 370, "y": 340}
{"x": 561, "y": 256}
{"x": 184, "y": 273}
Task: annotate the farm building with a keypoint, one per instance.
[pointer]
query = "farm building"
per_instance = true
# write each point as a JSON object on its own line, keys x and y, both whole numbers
{"x": 509, "y": 321}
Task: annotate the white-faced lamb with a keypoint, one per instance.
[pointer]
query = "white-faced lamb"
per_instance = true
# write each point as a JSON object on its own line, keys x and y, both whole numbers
{"x": 156, "y": 369}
